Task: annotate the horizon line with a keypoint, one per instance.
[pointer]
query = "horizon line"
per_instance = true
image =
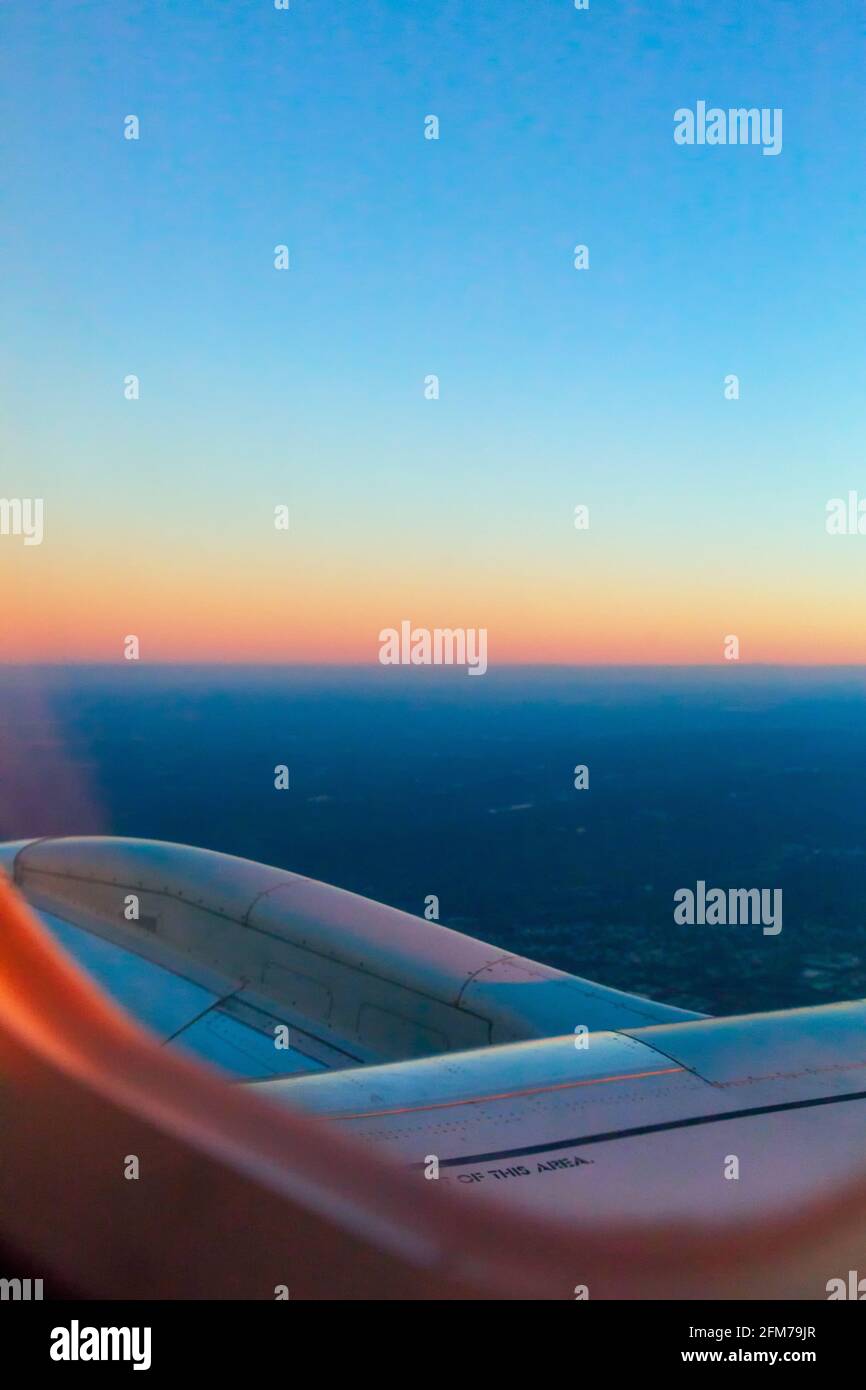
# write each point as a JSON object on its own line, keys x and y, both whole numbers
{"x": 456, "y": 668}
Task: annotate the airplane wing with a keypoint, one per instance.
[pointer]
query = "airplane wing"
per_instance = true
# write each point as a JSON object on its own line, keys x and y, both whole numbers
{"x": 471, "y": 1071}
{"x": 215, "y": 953}
{"x": 736, "y": 1117}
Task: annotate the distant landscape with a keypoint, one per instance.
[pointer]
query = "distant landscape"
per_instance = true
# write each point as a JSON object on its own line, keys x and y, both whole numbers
{"x": 407, "y": 783}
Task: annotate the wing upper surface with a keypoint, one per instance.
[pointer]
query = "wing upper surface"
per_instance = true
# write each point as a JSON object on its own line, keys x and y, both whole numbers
{"x": 723, "y": 1116}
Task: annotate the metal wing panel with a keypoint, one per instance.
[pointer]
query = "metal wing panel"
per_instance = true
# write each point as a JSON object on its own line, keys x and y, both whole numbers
{"x": 179, "y": 1010}
{"x": 717, "y": 1119}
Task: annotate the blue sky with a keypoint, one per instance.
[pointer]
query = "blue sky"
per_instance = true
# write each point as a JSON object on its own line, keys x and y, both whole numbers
{"x": 410, "y": 256}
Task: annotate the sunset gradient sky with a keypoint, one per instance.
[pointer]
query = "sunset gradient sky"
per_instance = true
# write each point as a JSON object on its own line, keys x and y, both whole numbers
{"x": 411, "y": 257}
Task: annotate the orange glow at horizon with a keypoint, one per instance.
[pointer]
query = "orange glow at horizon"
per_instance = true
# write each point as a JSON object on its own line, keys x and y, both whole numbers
{"x": 72, "y": 606}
